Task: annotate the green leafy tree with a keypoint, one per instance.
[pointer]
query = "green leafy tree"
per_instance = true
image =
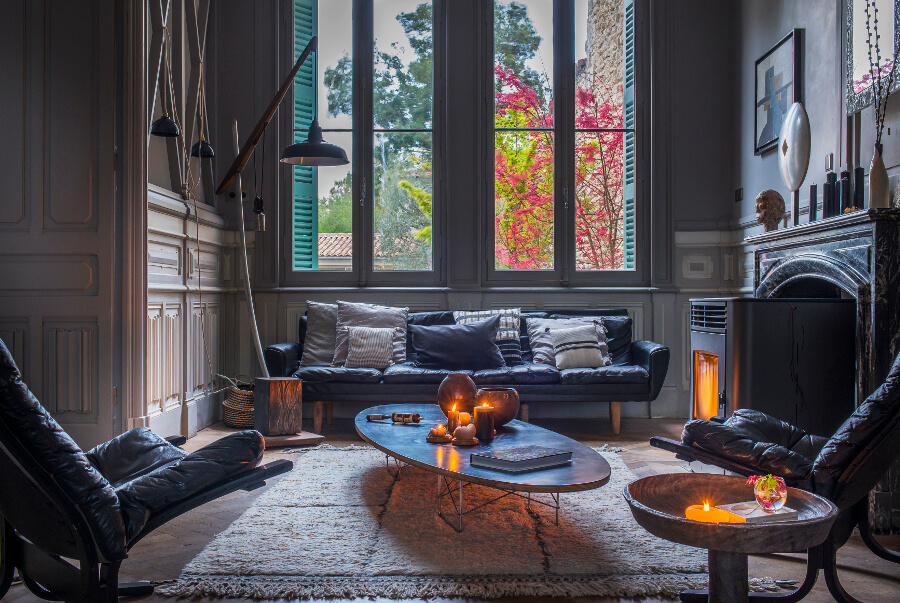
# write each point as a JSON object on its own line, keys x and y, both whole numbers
{"x": 335, "y": 210}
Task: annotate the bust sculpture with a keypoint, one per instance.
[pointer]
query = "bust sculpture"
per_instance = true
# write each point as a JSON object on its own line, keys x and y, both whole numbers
{"x": 769, "y": 209}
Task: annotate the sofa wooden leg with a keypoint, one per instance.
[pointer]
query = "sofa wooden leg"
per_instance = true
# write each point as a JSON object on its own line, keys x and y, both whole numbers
{"x": 523, "y": 412}
{"x": 329, "y": 412}
{"x": 615, "y": 415}
{"x": 317, "y": 417}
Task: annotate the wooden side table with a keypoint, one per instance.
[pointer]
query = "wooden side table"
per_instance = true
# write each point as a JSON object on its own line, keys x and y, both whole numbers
{"x": 658, "y": 503}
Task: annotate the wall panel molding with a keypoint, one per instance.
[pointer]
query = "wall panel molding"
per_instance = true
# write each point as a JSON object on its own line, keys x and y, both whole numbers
{"x": 60, "y": 274}
{"x": 71, "y": 358}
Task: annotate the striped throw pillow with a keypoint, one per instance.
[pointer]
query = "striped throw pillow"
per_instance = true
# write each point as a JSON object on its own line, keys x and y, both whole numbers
{"x": 577, "y": 347}
{"x": 369, "y": 347}
{"x": 508, "y": 335}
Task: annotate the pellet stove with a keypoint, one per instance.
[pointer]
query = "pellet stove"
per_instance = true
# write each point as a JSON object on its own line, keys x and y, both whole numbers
{"x": 794, "y": 359}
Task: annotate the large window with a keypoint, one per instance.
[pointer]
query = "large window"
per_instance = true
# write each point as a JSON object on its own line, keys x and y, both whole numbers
{"x": 392, "y": 177}
{"x": 564, "y": 138}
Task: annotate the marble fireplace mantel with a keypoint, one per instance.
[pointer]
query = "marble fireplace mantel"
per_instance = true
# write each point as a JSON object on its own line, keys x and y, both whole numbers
{"x": 854, "y": 255}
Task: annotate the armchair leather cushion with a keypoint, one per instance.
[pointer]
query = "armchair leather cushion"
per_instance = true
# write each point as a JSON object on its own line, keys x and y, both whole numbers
{"x": 856, "y": 433}
{"x": 57, "y": 454}
{"x": 132, "y": 454}
{"x": 182, "y": 478}
{"x": 757, "y": 440}
{"x": 282, "y": 359}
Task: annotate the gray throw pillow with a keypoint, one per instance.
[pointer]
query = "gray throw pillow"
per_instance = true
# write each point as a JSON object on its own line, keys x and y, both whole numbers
{"x": 369, "y": 348}
{"x": 321, "y": 324}
{"x": 542, "y": 347}
{"x": 576, "y": 347}
{"x": 369, "y": 315}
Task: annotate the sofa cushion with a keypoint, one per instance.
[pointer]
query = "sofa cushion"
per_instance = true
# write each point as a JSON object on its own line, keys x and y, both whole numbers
{"x": 369, "y": 347}
{"x": 528, "y": 373}
{"x": 618, "y": 335}
{"x": 369, "y": 315}
{"x": 604, "y": 374}
{"x": 409, "y": 373}
{"x": 466, "y": 347}
{"x": 539, "y": 337}
{"x": 319, "y": 343}
{"x": 578, "y": 347}
{"x": 508, "y": 334}
{"x": 324, "y": 374}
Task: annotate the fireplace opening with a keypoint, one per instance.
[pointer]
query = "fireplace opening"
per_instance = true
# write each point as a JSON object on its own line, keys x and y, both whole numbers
{"x": 811, "y": 288}
{"x": 706, "y": 392}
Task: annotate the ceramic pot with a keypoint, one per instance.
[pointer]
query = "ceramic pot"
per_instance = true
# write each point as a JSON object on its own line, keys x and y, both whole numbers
{"x": 505, "y": 401}
{"x": 879, "y": 186}
{"x": 457, "y": 389}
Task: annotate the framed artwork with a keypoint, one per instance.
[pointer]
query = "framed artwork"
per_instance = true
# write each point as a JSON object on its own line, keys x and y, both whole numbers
{"x": 777, "y": 88}
{"x": 859, "y": 73}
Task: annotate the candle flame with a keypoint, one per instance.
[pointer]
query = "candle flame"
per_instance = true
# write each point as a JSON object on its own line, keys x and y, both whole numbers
{"x": 485, "y": 404}
{"x": 454, "y": 407}
{"x": 705, "y": 506}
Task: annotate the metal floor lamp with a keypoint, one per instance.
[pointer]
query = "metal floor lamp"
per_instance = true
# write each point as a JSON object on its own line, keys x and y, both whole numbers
{"x": 313, "y": 152}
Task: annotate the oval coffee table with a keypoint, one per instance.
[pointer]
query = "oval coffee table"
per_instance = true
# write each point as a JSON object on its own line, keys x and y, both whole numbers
{"x": 406, "y": 443}
{"x": 658, "y": 503}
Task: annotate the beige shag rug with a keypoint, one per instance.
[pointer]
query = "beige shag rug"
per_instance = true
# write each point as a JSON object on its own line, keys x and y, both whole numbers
{"x": 341, "y": 525}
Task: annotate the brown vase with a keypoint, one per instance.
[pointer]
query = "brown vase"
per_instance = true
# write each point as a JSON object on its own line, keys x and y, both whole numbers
{"x": 457, "y": 389}
{"x": 505, "y": 401}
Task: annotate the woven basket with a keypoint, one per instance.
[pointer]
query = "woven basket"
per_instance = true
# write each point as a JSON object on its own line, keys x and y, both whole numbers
{"x": 238, "y": 406}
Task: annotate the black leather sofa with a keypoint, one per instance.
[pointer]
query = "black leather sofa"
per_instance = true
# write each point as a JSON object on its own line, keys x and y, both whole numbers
{"x": 637, "y": 371}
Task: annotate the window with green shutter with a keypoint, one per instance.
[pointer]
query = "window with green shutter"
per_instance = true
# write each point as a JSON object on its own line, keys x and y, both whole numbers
{"x": 306, "y": 186}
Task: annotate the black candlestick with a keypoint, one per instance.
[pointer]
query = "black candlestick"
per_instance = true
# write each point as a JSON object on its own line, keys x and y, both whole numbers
{"x": 813, "y": 202}
{"x": 859, "y": 196}
{"x": 846, "y": 197}
{"x": 828, "y": 195}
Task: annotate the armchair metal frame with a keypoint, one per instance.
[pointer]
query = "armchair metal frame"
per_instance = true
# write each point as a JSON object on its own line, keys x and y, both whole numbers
{"x": 850, "y": 496}
{"x": 44, "y": 532}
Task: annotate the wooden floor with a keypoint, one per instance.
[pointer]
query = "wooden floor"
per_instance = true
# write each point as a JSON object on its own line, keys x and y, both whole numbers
{"x": 162, "y": 554}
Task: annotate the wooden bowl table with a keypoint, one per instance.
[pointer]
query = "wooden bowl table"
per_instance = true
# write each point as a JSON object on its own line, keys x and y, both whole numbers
{"x": 658, "y": 504}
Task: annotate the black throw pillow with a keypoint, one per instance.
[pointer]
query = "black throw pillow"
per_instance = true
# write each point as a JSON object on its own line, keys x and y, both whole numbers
{"x": 457, "y": 347}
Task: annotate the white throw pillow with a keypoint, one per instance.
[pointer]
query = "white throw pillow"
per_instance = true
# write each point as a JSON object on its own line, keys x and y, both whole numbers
{"x": 577, "y": 347}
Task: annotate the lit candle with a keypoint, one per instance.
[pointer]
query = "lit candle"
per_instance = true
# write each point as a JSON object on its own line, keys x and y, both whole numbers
{"x": 465, "y": 418}
{"x": 484, "y": 422}
{"x": 452, "y": 419}
{"x": 440, "y": 430}
{"x": 708, "y": 514}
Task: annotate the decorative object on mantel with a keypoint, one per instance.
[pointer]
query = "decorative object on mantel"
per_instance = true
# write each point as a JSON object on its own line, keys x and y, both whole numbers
{"x": 813, "y": 202}
{"x": 456, "y": 392}
{"x": 314, "y": 152}
{"x": 846, "y": 193}
{"x": 829, "y": 195}
{"x": 859, "y": 187}
{"x": 769, "y": 209}
{"x": 793, "y": 154}
{"x": 777, "y": 86}
{"x": 879, "y": 186}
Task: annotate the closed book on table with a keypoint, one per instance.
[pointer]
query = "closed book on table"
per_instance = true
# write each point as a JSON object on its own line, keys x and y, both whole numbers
{"x": 519, "y": 459}
{"x": 753, "y": 513}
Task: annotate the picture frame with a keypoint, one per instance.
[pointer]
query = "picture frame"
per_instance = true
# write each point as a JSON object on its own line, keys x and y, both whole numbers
{"x": 777, "y": 85}
{"x": 859, "y": 92}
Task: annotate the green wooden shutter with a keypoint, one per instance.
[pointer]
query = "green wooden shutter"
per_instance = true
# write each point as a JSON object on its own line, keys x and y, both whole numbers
{"x": 628, "y": 154}
{"x": 306, "y": 184}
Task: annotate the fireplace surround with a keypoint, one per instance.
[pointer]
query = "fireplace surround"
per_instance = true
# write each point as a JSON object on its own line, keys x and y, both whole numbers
{"x": 855, "y": 256}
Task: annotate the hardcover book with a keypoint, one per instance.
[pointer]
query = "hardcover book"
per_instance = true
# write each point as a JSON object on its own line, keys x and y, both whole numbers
{"x": 753, "y": 513}
{"x": 519, "y": 459}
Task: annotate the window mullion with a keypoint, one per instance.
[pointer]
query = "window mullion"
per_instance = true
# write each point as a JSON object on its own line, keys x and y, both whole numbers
{"x": 564, "y": 138}
{"x": 364, "y": 67}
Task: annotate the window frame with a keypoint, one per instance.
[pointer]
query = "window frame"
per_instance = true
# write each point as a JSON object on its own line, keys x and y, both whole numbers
{"x": 563, "y": 272}
{"x": 362, "y": 272}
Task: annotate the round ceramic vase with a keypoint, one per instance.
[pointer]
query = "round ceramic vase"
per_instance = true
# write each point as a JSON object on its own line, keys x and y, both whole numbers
{"x": 457, "y": 389}
{"x": 505, "y": 401}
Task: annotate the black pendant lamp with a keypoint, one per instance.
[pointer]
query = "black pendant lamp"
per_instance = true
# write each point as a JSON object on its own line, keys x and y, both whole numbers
{"x": 314, "y": 151}
{"x": 202, "y": 148}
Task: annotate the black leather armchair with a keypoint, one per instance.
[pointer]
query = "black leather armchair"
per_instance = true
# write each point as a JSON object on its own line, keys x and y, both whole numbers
{"x": 58, "y": 502}
{"x": 842, "y": 468}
